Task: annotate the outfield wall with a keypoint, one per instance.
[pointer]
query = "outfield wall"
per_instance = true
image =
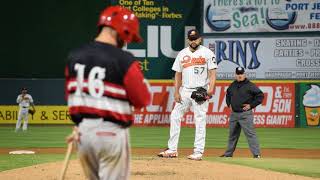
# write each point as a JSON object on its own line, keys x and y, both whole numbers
{"x": 272, "y": 41}
{"x": 240, "y": 32}
{"x": 286, "y": 104}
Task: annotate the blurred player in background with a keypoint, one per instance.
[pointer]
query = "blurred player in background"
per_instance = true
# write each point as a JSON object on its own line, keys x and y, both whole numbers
{"x": 25, "y": 101}
{"x": 103, "y": 83}
{"x": 195, "y": 67}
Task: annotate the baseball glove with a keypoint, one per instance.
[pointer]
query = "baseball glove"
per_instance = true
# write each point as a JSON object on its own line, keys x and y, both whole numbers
{"x": 200, "y": 95}
{"x": 31, "y": 111}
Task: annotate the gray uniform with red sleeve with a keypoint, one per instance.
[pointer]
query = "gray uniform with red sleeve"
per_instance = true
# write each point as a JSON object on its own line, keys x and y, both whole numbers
{"x": 103, "y": 84}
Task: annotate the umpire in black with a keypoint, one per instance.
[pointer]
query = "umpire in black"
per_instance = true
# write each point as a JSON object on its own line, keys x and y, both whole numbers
{"x": 242, "y": 96}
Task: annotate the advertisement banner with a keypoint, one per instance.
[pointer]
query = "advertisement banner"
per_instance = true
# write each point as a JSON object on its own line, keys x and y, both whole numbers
{"x": 43, "y": 115}
{"x": 163, "y": 27}
{"x": 309, "y": 101}
{"x": 277, "y": 109}
{"x": 245, "y": 16}
{"x": 267, "y": 58}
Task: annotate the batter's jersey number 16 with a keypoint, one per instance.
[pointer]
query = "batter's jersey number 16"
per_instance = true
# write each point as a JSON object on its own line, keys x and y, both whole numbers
{"x": 95, "y": 80}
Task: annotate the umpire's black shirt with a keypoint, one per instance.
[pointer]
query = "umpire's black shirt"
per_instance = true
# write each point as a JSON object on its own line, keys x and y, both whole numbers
{"x": 243, "y": 92}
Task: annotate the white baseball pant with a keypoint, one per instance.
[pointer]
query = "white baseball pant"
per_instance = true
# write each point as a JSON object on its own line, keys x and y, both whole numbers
{"x": 23, "y": 114}
{"x": 177, "y": 113}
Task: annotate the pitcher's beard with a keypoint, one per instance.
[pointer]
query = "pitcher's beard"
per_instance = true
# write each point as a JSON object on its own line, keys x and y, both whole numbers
{"x": 194, "y": 48}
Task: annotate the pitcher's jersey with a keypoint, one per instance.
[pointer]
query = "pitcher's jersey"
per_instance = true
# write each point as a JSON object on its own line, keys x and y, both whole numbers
{"x": 24, "y": 103}
{"x": 194, "y": 66}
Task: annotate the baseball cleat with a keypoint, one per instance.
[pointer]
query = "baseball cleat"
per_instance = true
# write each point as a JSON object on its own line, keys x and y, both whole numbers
{"x": 168, "y": 154}
{"x": 195, "y": 156}
{"x": 223, "y": 155}
{"x": 257, "y": 156}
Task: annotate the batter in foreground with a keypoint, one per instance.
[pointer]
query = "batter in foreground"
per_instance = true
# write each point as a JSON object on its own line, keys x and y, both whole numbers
{"x": 103, "y": 83}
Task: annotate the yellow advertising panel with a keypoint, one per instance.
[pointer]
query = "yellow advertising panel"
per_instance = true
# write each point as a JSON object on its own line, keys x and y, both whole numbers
{"x": 43, "y": 115}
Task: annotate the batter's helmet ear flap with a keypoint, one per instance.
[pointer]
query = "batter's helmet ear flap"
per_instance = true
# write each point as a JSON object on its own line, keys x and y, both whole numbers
{"x": 123, "y": 21}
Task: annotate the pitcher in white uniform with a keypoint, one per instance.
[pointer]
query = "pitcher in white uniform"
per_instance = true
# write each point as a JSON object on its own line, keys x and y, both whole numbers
{"x": 25, "y": 101}
{"x": 195, "y": 67}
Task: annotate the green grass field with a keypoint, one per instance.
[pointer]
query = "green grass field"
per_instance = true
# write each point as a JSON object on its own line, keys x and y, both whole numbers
{"x": 17, "y": 161}
{"x": 156, "y": 137}
{"x": 303, "y": 167}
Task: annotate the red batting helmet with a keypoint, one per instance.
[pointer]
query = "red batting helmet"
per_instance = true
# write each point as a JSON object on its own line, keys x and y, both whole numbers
{"x": 123, "y": 21}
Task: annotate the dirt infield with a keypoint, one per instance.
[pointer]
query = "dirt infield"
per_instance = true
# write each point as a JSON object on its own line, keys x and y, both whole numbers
{"x": 268, "y": 153}
{"x": 156, "y": 169}
{"x": 151, "y": 167}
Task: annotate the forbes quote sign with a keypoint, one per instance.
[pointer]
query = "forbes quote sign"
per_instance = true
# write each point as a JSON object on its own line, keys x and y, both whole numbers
{"x": 261, "y": 15}
{"x": 163, "y": 27}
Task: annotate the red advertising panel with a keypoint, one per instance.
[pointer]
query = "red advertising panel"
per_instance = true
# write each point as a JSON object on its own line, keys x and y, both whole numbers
{"x": 277, "y": 109}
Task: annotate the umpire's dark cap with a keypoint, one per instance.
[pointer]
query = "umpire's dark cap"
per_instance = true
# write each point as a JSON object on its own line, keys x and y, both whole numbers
{"x": 240, "y": 70}
{"x": 193, "y": 34}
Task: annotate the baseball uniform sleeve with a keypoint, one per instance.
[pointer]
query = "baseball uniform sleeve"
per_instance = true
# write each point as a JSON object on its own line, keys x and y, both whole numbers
{"x": 212, "y": 64}
{"x": 136, "y": 86}
{"x": 177, "y": 63}
{"x": 30, "y": 99}
{"x": 228, "y": 96}
{"x": 19, "y": 99}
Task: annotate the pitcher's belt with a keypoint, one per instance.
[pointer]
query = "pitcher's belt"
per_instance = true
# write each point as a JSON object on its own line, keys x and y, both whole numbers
{"x": 191, "y": 88}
